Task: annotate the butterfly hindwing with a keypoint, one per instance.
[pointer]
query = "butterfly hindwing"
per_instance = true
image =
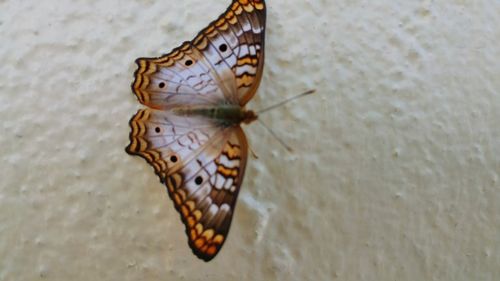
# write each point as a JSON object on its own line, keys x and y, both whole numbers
{"x": 166, "y": 140}
{"x": 202, "y": 167}
{"x": 223, "y": 63}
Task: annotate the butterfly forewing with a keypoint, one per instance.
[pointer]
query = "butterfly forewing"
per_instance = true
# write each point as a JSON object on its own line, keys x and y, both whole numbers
{"x": 202, "y": 167}
{"x": 222, "y": 64}
{"x": 200, "y": 160}
{"x": 206, "y": 198}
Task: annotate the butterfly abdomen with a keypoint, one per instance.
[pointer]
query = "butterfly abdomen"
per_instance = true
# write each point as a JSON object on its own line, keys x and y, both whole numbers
{"x": 225, "y": 115}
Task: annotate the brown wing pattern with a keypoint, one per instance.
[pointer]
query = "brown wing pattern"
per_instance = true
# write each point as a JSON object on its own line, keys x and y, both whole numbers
{"x": 167, "y": 141}
{"x": 205, "y": 193}
{"x": 201, "y": 163}
{"x": 202, "y": 167}
{"x": 223, "y": 63}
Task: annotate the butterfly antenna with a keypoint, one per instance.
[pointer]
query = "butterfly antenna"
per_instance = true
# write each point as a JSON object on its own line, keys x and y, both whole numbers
{"x": 275, "y": 136}
{"x": 255, "y": 156}
{"x": 286, "y": 101}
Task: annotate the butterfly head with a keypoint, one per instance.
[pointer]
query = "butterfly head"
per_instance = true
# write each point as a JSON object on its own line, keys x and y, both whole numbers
{"x": 249, "y": 116}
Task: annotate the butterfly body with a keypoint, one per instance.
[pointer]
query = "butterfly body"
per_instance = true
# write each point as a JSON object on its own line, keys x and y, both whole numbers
{"x": 190, "y": 133}
{"x": 225, "y": 115}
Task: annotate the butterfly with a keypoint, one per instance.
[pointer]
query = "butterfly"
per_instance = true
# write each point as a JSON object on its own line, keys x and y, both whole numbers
{"x": 190, "y": 131}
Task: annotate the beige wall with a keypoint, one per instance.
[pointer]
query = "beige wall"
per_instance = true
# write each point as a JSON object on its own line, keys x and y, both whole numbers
{"x": 395, "y": 174}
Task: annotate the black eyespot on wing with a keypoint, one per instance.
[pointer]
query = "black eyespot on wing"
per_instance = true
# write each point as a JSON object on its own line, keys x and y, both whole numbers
{"x": 188, "y": 62}
{"x": 157, "y": 130}
{"x": 223, "y": 47}
{"x": 173, "y": 158}
{"x": 161, "y": 85}
{"x": 198, "y": 180}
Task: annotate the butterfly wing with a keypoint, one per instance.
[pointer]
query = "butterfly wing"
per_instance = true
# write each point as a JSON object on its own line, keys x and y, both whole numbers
{"x": 167, "y": 141}
{"x": 201, "y": 163}
{"x": 202, "y": 166}
{"x": 222, "y": 64}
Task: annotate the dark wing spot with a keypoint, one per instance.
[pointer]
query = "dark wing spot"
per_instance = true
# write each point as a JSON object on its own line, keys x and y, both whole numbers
{"x": 161, "y": 85}
{"x": 173, "y": 158}
{"x": 188, "y": 62}
{"x": 198, "y": 180}
{"x": 158, "y": 130}
{"x": 223, "y": 47}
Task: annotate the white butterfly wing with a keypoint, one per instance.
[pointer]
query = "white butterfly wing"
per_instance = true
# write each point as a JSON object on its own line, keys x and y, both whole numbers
{"x": 202, "y": 167}
{"x": 201, "y": 162}
{"x": 223, "y": 64}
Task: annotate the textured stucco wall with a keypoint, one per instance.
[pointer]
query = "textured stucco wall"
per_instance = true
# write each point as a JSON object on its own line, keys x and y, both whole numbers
{"x": 395, "y": 174}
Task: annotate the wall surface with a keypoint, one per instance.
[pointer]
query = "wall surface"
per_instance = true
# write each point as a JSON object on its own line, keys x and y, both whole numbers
{"x": 395, "y": 173}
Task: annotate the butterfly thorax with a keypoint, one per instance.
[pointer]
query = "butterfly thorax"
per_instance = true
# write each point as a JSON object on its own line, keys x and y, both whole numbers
{"x": 225, "y": 114}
